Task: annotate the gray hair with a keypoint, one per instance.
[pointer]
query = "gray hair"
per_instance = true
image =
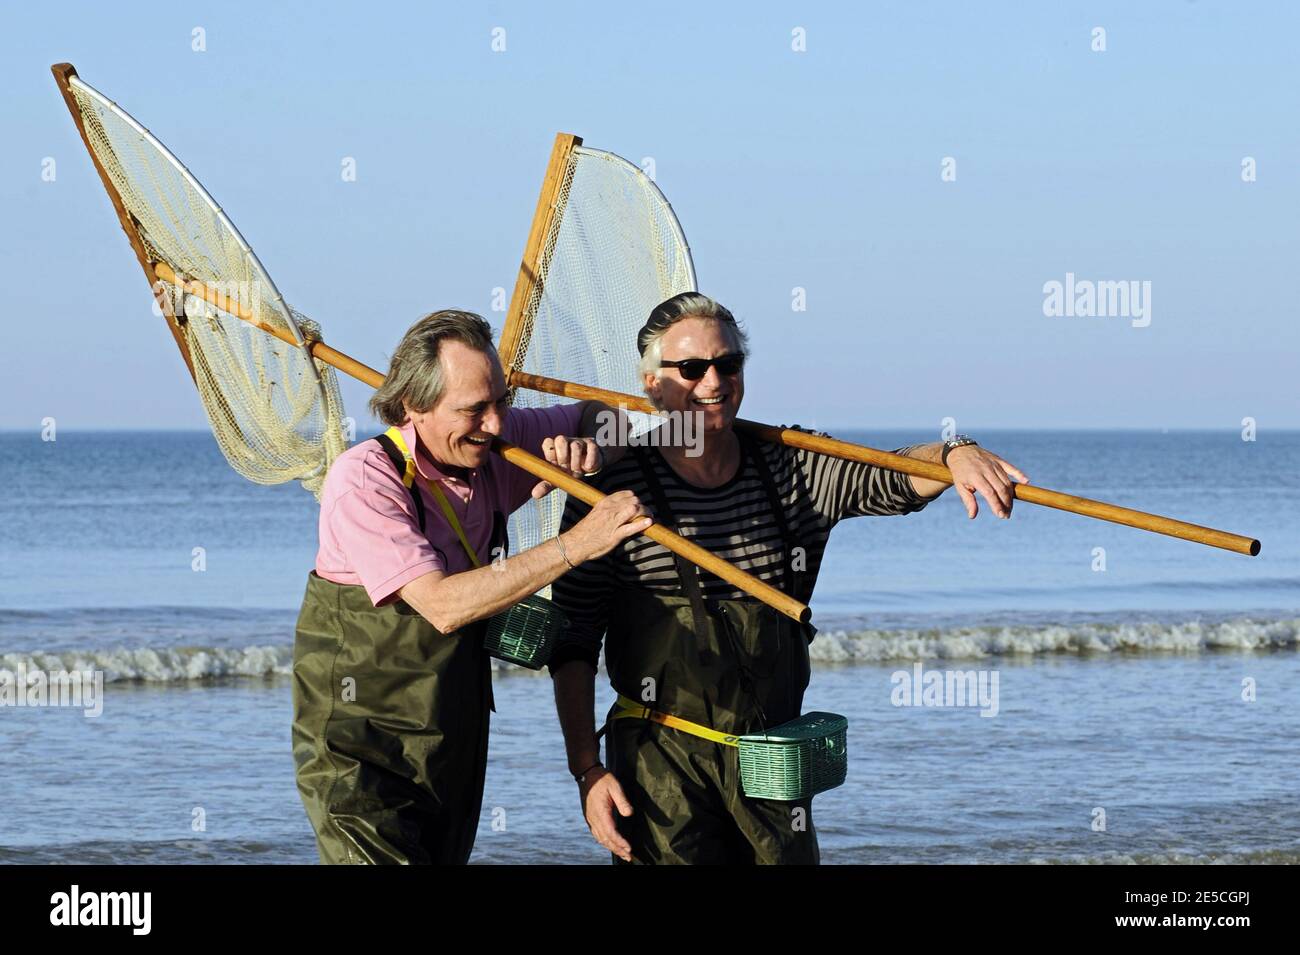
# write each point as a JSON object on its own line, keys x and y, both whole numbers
{"x": 414, "y": 372}
{"x": 669, "y": 313}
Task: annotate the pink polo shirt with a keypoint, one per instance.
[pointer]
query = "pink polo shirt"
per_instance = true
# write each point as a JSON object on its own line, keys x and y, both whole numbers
{"x": 370, "y": 534}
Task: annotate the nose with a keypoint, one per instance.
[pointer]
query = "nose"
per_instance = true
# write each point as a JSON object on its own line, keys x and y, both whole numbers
{"x": 712, "y": 379}
{"x": 492, "y": 421}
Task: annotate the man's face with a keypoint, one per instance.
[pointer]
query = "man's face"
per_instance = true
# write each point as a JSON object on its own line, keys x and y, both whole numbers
{"x": 715, "y": 397}
{"x": 458, "y": 430}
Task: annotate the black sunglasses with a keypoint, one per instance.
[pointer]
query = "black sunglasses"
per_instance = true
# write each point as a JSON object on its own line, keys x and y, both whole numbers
{"x": 693, "y": 369}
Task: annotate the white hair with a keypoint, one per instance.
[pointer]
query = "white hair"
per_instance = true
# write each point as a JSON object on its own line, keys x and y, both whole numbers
{"x": 690, "y": 305}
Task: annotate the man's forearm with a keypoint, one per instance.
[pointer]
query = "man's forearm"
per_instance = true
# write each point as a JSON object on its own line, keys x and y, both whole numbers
{"x": 575, "y": 703}
{"x": 451, "y": 601}
{"x": 934, "y": 454}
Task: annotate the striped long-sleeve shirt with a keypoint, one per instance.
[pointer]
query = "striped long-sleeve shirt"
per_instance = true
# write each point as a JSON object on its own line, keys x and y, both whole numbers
{"x": 733, "y": 521}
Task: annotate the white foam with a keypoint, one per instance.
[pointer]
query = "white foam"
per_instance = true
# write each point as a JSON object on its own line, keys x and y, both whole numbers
{"x": 149, "y": 665}
{"x": 864, "y": 646}
{"x": 1255, "y": 857}
{"x": 171, "y": 665}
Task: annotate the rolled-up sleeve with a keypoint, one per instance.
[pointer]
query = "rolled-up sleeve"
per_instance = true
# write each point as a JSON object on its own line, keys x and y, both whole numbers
{"x": 527, "y": 428}
{"x": 841, "y": 488}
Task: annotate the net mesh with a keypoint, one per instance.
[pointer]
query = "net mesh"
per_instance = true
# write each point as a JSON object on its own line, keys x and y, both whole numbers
{"x": 275, "y": 417}
{"x": 614, "y": 251}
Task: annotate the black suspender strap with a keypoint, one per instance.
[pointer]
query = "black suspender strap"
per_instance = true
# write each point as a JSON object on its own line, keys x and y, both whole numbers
{"x": 399, "y": 462}
{"x": 788, "y": 572}
{"x": 687, "y": 572}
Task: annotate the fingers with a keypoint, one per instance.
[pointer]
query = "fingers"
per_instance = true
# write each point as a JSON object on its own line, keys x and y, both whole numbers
{"x": 614, "y": 519}
{"x": 1000, "y": 481}
{"x": 634, "y": 525}
{"x": 993, "y": 493}
{"x": 638, "y": 526}
{"x": 967, "y": 498}
{"x": 558, "y": 451}
{"x": 1014, "y": 471}
{"x": 996, "y": 489}
{"x": 626, "y": 505}
{"x": 601, "y": 821}
{"x": 578, "y": 456}
{"x": 620, "y": 799}
{"x": 989, "y": 476}
{"x": 549, "y": 451}
{"x": 632, "y": 515}
{"x": 578, "y": 451}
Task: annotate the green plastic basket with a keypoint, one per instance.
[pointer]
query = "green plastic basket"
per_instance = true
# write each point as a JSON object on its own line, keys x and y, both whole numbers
{"x": 525, "y": 634}
{"x": 795, "y": 760}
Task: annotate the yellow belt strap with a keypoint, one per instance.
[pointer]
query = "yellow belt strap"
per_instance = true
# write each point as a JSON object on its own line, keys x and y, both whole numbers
{"x": 631, "y": 710}
{"x": 438, "y": 494}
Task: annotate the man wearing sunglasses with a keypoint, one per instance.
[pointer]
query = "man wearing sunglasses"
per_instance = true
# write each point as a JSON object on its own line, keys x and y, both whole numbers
{"x": 688, "y": 645}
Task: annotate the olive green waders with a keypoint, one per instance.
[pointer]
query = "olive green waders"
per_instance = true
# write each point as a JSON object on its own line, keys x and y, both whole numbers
{"x": 390, "y": 729}
{"x": 737, "y": 666}
{"x": 685, "y": 791}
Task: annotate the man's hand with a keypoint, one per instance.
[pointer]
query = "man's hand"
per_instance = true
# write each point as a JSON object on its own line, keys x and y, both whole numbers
{"x": 613, "y": 520}
{"x": 975, "y": 469}
{"x": 578, "y": 456}
{"x": 601, "y": 794}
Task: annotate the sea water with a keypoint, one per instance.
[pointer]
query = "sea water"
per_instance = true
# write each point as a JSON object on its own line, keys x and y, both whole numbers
{"x": 1147, "y": 688}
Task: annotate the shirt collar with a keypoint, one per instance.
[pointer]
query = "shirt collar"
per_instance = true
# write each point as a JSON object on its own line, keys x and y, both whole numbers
{"x": 424, "y": 465}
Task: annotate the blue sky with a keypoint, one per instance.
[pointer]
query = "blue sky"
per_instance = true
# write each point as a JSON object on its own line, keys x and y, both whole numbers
{"x": 817, "y": 169}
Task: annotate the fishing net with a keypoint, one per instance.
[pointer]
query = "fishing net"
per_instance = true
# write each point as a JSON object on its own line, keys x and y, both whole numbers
{"x": 275, "y": 411}
{"x": 614, "y": 250}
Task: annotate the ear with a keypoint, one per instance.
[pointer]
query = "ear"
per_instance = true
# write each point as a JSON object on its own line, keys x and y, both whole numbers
{"x": 650, "y": 384}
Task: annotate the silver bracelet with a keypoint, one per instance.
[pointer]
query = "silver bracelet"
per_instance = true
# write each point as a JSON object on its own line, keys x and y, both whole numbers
{"x": 563, "y": 553}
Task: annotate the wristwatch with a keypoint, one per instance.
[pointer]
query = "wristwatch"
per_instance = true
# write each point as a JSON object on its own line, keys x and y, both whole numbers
{"x": 956, "y": 441}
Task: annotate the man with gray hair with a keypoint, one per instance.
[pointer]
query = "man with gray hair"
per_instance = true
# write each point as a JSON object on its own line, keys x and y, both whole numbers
{"x": 391, "y": 684}
{"x": 692, "y": 658}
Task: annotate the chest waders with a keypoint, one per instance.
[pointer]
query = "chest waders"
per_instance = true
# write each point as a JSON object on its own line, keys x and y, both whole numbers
{"x": 693, "y": 677}
{"x": 390, "y": 728}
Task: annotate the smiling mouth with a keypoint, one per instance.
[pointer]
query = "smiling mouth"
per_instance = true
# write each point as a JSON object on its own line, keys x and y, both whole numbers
{"x": 479, "y": 442}
{"x": 710, "y": 401}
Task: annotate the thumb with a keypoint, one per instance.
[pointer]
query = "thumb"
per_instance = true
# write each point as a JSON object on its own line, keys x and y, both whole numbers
{"x": 620, "y": 800}
{"x": 542, "y": 489}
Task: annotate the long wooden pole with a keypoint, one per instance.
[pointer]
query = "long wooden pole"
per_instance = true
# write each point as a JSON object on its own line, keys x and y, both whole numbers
{"x": 935, "y": 472}
{"x": 63, "y": 74}
{"x": 517, "y": 456}
{"x": 1029, "y": 493}
{"x": 518, "y": 327}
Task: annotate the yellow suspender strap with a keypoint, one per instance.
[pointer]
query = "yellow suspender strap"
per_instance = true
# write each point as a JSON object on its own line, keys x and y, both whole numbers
{"x": 395, "y": 434}
{"x": 630, "y": 710}
{"x": 438, "y": 494}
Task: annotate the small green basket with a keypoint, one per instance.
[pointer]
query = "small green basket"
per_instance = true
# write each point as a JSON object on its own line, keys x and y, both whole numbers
{"x": 525, "y": 634}
{"x": 795, "y": 760}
